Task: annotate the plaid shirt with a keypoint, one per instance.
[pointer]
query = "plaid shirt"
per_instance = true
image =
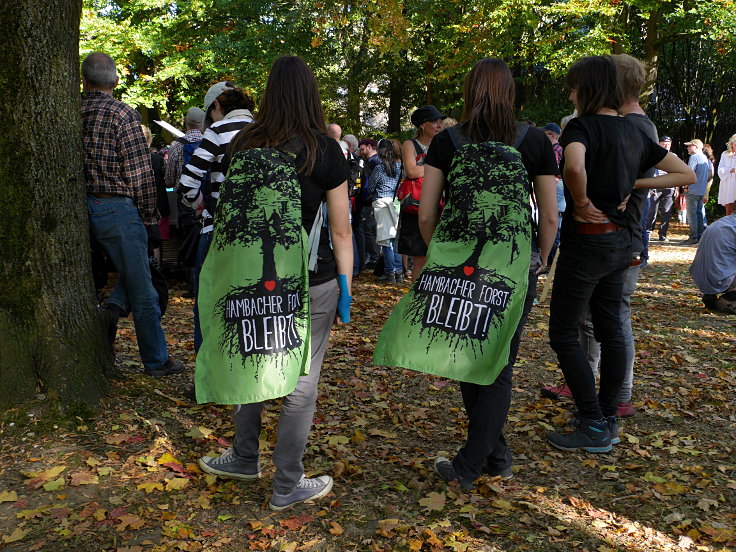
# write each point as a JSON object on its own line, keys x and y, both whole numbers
{"x": 117, "y": 160}
{"x": 175, "y": 160}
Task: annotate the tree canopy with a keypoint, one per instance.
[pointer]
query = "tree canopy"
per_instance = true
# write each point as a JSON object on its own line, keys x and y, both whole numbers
{"x": 377, "y": 60}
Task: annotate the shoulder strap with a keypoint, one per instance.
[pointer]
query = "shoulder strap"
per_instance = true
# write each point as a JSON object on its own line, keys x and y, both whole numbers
{"x": 521, "y": 130}
{"x": 457, "y": 136}
{"x": 182, "y": 140}
{"x": 418, "y": 150}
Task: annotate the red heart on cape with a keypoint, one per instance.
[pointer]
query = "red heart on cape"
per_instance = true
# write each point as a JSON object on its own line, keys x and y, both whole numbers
{"x": 468, "y": 270}
{"x": 269, "y": 285}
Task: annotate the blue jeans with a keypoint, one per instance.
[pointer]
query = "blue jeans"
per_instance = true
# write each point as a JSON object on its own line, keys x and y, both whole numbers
{"x": 695, "y": 215}
{"x": 391, "y": 259}
{"x": 118, "y": 228}
{"x": 590, "y": 272}
{"x": 202, "y": 248}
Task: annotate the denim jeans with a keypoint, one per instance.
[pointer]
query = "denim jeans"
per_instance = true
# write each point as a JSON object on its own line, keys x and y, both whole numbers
{"x": 695, "y": 215}
{"x": 297, "y": 408}
{"x": 391, "y": 259}
{"x": 592, "y": 348}
{"x": 202, "y": 248}
{"x": 487, "y": 407}
{"x": 118, "y": 228}
{"x": 590, "y": 272}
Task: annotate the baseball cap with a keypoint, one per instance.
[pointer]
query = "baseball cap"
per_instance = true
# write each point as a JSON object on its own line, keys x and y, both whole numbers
{"x": 665, "y": 139}
{"x": 194, "y": 117}
{"x": 214, "y": 91}
{"x": 695, "y": 142}
{"x": 426, "y": 113}
{"x": 553, "y": 127}
{"x": 368, "y": 142}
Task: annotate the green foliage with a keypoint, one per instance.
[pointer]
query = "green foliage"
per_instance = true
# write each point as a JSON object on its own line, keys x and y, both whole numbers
{"x": 373, "y": 58}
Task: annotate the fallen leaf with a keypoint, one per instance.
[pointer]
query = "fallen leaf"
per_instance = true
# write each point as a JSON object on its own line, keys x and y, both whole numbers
{"x": 150, "y": 486}
{"x": 16, "y": 535}
{"x": 176, "y": 484}
{"x": 130, "y": 521}
{"x": 84, "y": 478}
{"x": 8, "y": 496}
{"x": 54, "y": 485}
{"x": 296, "y": 522}
{"x": 433, "y": 501}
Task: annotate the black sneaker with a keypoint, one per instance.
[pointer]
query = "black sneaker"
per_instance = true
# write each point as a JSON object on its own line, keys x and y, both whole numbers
{"x": 170, "y": 367}
{"x": 589, "y": 435}
{"x": 444, "y": 469}
{"x": 505, "y": 473}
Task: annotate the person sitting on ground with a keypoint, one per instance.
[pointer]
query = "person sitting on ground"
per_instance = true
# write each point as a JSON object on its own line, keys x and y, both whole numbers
{"x": 714, "y": 267}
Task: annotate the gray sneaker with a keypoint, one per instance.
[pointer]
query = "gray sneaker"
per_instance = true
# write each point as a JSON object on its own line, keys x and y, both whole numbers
{"x": 306, "y": 490}
{"x": 229, "y": 465}
{"x": 613, "y": 430}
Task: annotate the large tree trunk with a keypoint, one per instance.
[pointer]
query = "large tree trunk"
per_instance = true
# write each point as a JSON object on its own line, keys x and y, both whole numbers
{"x": 50, "y": 337}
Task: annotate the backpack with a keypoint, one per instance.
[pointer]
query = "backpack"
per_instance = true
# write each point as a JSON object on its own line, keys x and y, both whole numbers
{"x": 188, "y": 149}
{"x": 463, "y": 308}
{"x": 409, "y": 191}
{"x": 254, "y": 285}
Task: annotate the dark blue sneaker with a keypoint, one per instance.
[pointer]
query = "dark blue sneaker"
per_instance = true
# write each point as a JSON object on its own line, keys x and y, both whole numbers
{"x": 229, "y": 465}
{"x": 613, "y": 430}
{"x": 306, "y": 490}
{"x": 589, "y": 435}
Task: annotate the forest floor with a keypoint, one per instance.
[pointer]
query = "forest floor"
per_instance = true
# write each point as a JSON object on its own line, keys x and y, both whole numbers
{"x": 127, "y": 479}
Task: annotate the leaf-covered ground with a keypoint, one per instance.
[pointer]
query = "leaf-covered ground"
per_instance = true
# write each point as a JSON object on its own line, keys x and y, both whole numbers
{"x": 127, "y": 479}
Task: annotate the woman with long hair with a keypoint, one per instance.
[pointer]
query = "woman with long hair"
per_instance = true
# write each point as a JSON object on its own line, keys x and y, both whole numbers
{"x": 310, "y": 169}
{"x": 381, "y": 186}
{"x": 227, "y": 110}
{"x": 477, "y": 278}
{"x": 603, "y": 155}
{"x": 727, "y": 174}
{"x": 428, "y": 122}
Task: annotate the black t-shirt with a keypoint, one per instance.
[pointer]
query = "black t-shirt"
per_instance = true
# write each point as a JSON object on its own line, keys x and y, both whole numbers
{"x": 635, "y": 205}
{"x": 536, "y": 153}
{"x": 330, "y": 170}
{"x": 617, "y": 151}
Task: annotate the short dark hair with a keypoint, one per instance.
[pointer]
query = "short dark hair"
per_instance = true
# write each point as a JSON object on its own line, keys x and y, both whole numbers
{"x": 595, "y": 81}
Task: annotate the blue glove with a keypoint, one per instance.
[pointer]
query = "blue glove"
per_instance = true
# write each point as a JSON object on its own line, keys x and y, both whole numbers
{"x": 343, "y": 299}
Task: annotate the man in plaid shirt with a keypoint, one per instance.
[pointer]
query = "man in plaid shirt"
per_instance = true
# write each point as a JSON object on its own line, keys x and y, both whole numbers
{"x": 121, "y": 199}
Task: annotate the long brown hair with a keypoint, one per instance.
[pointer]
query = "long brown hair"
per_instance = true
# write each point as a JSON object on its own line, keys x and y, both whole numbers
{"x": 290, "y": 108}
{"x": 488, "y": 94}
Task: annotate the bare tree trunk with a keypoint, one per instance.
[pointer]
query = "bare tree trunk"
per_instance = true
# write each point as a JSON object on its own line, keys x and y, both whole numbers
{"x": 396, "y": 96}
{"x": 50, "y": 337}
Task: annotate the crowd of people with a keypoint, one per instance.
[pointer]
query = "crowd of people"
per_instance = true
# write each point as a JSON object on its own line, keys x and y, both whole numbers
{"x": 280, "y": 211}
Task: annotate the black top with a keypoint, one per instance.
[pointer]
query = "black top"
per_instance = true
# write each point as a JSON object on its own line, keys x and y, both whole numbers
{"x": 330, "y": 170}
{"x": 536, "y": 153}
{"x": 635, "y": 205}
{"x": 617, "y": 151}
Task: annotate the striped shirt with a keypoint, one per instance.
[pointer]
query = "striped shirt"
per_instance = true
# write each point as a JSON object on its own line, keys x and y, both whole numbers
{"x": 209, "y": 158}
{"x": 117, "y": 160}
{"x": 381, "y": 184}
{"x": 176, "y": 157}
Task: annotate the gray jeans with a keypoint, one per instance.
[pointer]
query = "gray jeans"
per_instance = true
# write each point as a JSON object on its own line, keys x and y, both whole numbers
{"x": 297, "y": 408}
{"x": 592, "y": 348}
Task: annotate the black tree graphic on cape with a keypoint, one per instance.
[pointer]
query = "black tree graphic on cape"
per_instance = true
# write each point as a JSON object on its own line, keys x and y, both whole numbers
{"x": 260, "y": 203}
{"x": 487, "y": 204}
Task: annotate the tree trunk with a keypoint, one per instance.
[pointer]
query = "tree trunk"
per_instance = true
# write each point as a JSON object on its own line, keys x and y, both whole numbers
{"x": 50, "y": 337}
{"x": 396, "y": 97}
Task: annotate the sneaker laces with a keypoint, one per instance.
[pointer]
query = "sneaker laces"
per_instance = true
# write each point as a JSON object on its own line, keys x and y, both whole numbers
{"x": 306, "y": 483}
{"x": 226, "y": 457}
